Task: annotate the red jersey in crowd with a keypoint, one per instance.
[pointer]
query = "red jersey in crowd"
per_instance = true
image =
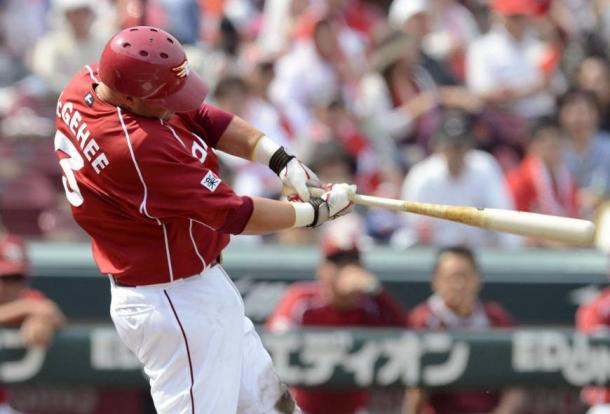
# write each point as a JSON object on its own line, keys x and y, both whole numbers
{"x": 594, "y": 317}
{"x": 146, "y": 190}
{"x": 303, "y": 305}
{"x": 535, "y": 190}
{"x": 433, "y": 314}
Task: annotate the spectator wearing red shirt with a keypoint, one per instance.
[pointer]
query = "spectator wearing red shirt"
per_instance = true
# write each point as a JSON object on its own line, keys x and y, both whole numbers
{"x": 37, "y": 317}
{"x": 455, "y": 304}
{"x": 345, "y": 295}
{"x": 542, "y": 182}
{"x": 594, "y": 318}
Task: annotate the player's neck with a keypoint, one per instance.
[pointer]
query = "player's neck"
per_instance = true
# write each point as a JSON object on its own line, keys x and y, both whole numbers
{"x": 107, "y": 95}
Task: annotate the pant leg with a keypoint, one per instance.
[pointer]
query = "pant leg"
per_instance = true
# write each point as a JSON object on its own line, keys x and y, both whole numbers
{"x": 261, "y": 391}
{"x": 188, "y": 335}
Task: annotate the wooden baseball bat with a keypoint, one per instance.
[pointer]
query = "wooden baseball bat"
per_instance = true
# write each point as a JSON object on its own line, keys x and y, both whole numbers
{"x": 542, "y": 226}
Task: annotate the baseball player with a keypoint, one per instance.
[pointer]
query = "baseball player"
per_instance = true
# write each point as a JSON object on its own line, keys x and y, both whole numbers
{"x": 36, "y": 316}
{"x": 136, "y": 145}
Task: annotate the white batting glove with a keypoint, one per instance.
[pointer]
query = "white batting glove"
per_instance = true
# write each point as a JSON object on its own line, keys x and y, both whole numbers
{"x": 295, "y": 176}
{"x": 335, "y": 202}
{"x": 298, "y": 177}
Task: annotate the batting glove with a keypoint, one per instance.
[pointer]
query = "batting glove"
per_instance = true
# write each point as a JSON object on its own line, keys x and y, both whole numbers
{"x": 295, "y": 176}
{"x": 335, "y": 202}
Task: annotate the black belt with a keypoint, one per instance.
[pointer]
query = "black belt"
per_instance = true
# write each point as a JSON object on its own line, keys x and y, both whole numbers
{"x": 117, "y": 282}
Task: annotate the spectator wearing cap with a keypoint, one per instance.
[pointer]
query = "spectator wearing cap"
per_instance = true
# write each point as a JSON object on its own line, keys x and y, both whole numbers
{"x": 70, "y": 45}
{"x": 504, "y": 67}
{"x": 587, "y": 149}
{"x": 344, "y": 295}
{"x": 455, "y": 174}
{"x": 37, "y": 317}
{"x": 456, "y": 305}
{"x": 542, "y": 183}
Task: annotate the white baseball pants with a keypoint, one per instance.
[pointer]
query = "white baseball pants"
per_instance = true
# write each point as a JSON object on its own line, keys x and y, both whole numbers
{"x": 199, "y": 350}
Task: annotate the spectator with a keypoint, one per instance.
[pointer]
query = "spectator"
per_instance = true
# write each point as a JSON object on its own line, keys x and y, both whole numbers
{"x": 345, "y": 295}
{"x": 398, "y": 100}
{"x": 456, "y": 305}
{"x": 333, "y": 122}
{"x": 69, "y": 46}
{"x": 542, "y": 183}
{"x": 504, "y": 66}
{"x": 588, "y": 148}
{"x": 413, "y": 18}
{"x": 453, "y": 28}
{"x": 234, "y": 94}
{"x": 593, "y": 75}
{"x": 593, "y": 318}
{"x": 37, "y": 317}
{"x": 312, "y": 72}
{"x": 459, "y": 175}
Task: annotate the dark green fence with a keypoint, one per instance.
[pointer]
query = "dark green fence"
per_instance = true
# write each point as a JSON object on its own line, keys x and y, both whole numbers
{"x": 94, "y": 356}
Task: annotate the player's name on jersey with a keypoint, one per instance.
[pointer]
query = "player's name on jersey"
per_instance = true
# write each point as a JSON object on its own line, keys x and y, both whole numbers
{"x": 89, "y": 147}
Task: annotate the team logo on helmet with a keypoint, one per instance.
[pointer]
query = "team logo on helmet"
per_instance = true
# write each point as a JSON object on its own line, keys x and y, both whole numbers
{"x": 182, "y": 70}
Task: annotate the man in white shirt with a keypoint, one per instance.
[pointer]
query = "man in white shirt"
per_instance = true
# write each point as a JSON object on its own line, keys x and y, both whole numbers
{"x": 504, "y": 66}
{"x": 458, "y": 175}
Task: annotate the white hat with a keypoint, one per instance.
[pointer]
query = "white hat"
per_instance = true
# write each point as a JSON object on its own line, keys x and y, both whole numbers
{"x": 402, "y": 10}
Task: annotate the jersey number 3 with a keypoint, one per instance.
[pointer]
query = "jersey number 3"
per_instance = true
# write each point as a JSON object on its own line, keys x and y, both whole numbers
{"x": 73, "y": 162}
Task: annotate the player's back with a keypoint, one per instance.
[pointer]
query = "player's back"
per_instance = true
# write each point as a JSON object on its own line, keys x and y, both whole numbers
{"x": 140, "y": 186}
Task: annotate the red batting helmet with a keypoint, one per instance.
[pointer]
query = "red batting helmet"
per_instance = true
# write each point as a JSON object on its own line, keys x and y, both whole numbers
{"x": 148, "y": 63}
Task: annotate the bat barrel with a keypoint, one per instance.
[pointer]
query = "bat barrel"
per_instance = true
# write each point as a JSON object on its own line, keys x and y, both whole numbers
{"x": 562, "y": 229}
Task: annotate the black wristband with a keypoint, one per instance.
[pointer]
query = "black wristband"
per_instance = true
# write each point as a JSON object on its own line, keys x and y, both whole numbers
{"x": 279, "y": 159}
{"x": 316, "y": 203}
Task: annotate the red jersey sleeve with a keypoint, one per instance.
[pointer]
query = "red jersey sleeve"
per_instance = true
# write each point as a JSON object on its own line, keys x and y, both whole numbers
{"x": 210, "y": 122}
{"x": 179, "y": 186}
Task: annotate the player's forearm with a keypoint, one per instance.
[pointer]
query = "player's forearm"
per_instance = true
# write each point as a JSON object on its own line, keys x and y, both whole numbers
{"x": 239, "y": 139}
{"x": 269, "y": 216}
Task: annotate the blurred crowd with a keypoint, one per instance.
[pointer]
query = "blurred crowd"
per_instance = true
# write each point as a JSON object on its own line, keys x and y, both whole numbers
{"x": 488, "y": 103}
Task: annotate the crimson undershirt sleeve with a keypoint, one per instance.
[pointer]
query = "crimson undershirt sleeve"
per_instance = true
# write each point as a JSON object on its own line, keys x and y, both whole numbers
{"x": 213, "y": 122}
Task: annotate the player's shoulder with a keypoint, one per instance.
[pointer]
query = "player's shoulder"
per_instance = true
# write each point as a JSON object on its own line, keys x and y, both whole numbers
{"x": 498, "y": 315}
